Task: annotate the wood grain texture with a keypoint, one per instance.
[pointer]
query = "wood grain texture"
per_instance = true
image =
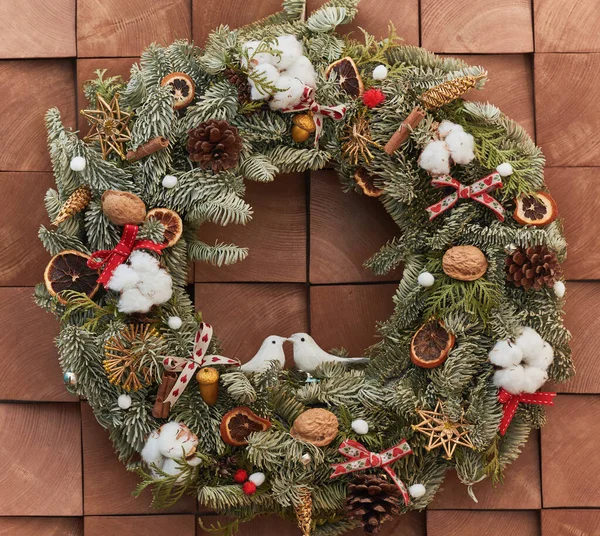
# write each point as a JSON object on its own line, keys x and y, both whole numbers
{"x": 374, "y": 16}
{"x": 44, "y": 380}
{"x": 276, "y": 236}
{"x": 570, "y": 455}
{"x": 465, "y": 523}
{"x": 570, "y": 522}
{"x": 22, "y": 23}
{"x": 567, "y": 108}
{"x": 41, "y": 472}
{"x": 22, "y": 256}
{"x": 177, "y": 525}
{"x": 521, "y": 489}
{"x": 577, "y": 192}
{"x": 41, "y": 526}
{"x": 346, "y": 229}
{"x": 245, "y": 314}
{"x": 346, "y": 315}
{"x": 116, "y": 28}
{"x": 566, "y": 26}
{"x": 22, "y": 109}
{"x": 107, "y": 485}
{"x": 477, "y": 26}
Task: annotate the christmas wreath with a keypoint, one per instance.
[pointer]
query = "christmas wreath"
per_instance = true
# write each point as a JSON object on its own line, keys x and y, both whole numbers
{"x": 335, "y": 443}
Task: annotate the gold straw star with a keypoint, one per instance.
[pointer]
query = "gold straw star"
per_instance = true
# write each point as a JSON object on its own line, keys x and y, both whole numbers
{"x": 443, "y": 432}
{"x": 110, "y": 126}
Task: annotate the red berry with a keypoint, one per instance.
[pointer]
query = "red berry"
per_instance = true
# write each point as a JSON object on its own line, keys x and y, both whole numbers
{"x": 373, "y": 97}
{"x": 240, "y": 476}
{"x": 249, "y": 488}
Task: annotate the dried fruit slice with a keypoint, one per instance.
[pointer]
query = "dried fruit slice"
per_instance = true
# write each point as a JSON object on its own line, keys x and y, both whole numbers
{"x": 347, "y": 76}
{"x": 365, "y": 181}
{"x": 535, "y": 209}
{"x": 431, "y": 344}
{"x": 183, "y": 89}
{"x": 238, "y": 423}
{"x": 172, "y": 222}
{"x": 69, "y": 271}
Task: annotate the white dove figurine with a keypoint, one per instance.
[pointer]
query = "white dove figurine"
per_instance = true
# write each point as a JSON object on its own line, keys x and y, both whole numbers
{"x": 270, "y": 350}
{"x": 308, "y": 355}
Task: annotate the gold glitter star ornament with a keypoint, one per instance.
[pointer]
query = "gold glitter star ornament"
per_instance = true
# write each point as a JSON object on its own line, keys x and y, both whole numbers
{"x": 443, "y": 432}
{"x": 110, "y": 126}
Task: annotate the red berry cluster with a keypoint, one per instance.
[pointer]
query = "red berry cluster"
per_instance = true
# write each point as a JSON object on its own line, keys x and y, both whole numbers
{"x": 241, "y": 477}
{"x": 373, "y": 97}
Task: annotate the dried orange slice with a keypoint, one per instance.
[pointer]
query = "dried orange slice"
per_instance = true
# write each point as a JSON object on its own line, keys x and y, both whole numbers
{"x": 69, "y": 271}
{"x": 239, "y": 423}
{"x": 347, "y": 76}
{"x": 431, "y": 344}
{"x": 365, "y": 181}
{"x": 183, "y": 89}
{"x": 537, "y": 209}
{"x": 172, "y": 222}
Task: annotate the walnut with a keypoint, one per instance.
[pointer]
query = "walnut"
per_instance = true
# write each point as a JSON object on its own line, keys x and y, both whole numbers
{"x": 465, "y": 263}
{"x": 317, "y": 426}
{"x": 123, "y": 208}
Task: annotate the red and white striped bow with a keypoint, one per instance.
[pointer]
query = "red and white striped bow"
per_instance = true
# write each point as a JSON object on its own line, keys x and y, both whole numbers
{"x": 511, "y": 403}
{"x": 188, "y": 365}
{"x": 319, "y": 111}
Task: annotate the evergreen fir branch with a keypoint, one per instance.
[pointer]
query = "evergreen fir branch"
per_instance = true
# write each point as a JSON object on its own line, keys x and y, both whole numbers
{"x": 168, "y": 489}
{"x": 219, "y": 101}
{"x": 290, "y": 159}
{"x": 107, "y": 88}
{"x": 388, "y": 258}
{"x": 219, "y": 254}
{"x": 57, "y": 241}
{"x": 258, "y": 167}
{"x": 239, "y": 387}
{"x": 223, "y": 209}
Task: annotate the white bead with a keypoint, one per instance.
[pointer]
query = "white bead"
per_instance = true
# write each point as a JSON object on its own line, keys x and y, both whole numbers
{"x": 77, "y": 163}
{"x": 380, "y": 72}
{"x": 169, "y": 181}
{"x": 257, "y": 479}
{"x": 124, "y": 401}
{"x": 505, "y": 169}
{"x": 174, "y": 322}
{"x": 426, "y": 279}
{"x": 417, "y": 490}
{"x": 559, "y": 289}
{"x": 360, "y": 426}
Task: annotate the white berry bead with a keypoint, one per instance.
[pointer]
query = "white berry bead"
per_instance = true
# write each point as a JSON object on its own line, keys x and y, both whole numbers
{"x": 169, "y": 181}
{"x": 380, "y": 72}
{"x": 77, "y": 163}
{"x": 174, "y": 322}
{"x": 360, "y": 426}
{"x": 124, "y": 401}
{"x": 417, "y": 490}
{"x": 559, "y": 289}
{"x": 426, "y": 279}
{"x": 505, "y": 169}
{"x": 257, "y": 479}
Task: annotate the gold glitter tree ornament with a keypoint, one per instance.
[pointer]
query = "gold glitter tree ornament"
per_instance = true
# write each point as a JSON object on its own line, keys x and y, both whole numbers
{"x": 442, "y": 431}
{"x": 110, "y": 126}
{"x": 132, "y": 356}
{"x": 304, "y": 512}
{"x": 449, "y": 91}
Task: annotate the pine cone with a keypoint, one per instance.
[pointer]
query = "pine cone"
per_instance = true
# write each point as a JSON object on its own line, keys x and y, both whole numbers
{"x": 448, "y": 91}
{"x": 215, "y": 144}
{"x": 226, "y": 467}
{"x": 373, "y": 500}
{"x": 76, "y": 202}
{"x": 533, "y": 267}
{"x": 240, "y": 81}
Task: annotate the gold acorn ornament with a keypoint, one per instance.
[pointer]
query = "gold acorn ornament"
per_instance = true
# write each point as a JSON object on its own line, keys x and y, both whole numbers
{"x": 75, "y": 203}
{"x": 304, "y": 126}
{"x": 208, "y": 382}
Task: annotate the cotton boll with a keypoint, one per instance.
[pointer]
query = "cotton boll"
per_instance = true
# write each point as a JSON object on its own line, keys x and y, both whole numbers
{"x": 172, "y": 467}
{"x": 256, "y": 59}
{"x": 175, "y": 440}
{"x": 461, "y": 146}
{"x": 417, "y": 491}
{"x": 123, "y": 277}
{"x": 267, "y": 72}
{"x": 151, "y": 452}
{"x": 511, "y": 379}
{"x": 157, "y": 287}
{"x": 534, "y": 379}
{"x": 542, "y": 359}
{"x": 133, "y": 301}
{"x": 194, "y": 462}
{"x": 435, "y": 158}
{"x": 290, "y": 95}
{"x": 380, "y": 72}
{"x": 530, "y": 342}
{"x": 446, "y": 127}
{"x": 303, "y": 70}
{"x": 291, "y": 50}
{"x": 505, "y": 354}
{"x": 143, "y": 263}
{"x": 257, "y": 94}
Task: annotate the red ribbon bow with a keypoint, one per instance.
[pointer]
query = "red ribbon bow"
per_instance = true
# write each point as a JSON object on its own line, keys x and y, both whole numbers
{"x": 319, "y": 111}
{"x": 511, "y": 403}
{"x": 478, "y": 191}
{"x": 361, "y": 459}
{"x": 111, "y": 258}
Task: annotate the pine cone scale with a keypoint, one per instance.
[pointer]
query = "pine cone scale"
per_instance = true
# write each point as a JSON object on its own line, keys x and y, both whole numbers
{"x": 215, "y": 144}
{"x": 533, "y": 267}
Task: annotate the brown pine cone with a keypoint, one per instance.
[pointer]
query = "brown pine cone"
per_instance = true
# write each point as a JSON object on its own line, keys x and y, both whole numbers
{"x": 240, "y": 81}
{"x": 226, "y": 467}
{"x": 215, "y": 144}
{"x": 535, "y": 267}
{"x": 372, "y": 500}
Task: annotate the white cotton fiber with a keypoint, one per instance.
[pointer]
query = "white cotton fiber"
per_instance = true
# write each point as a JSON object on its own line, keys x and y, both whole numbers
{"x": 133, "y": 301}
{"x": 534, "y": 378}
{"x": 143, "y": 262}
{"x": 268, "y": 73}
{"x": 446, "y": 127}
{"x": 505, "y": 354}
{"x": 461, "y": 146}
{"x": 435, "y": 158}
{"x": 291, "y": 50}
{"x": 512, "y": 379}
{"x": 290, "y": 95}
{"x": 151, "y": 452}
{"x": 172, "y": 467}
{"x": 256, "y": 59}
{"x": 530, "y": 342}
{"x": 303, "y": 70}
{"x": 123, "y": 277}
{"x": 542, "y": 358}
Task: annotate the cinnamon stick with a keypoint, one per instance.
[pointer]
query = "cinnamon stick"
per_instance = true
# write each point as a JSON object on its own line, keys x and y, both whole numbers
{"x": 404, "y": 130}
{"x": 152, "y": 146}
{"x": 161, "y": 409}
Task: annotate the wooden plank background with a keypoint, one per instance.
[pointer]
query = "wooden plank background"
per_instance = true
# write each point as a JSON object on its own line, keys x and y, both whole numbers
{"x": 308, "y": 241}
